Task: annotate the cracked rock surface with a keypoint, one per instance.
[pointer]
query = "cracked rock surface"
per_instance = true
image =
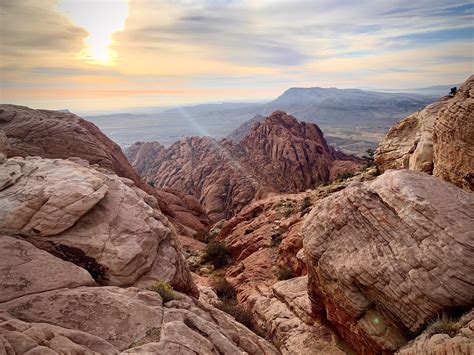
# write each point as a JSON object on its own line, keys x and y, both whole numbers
{"x": 96, "y": 220}
{"x": 385, "y": 257}
{"x": 62, "y": 135}
{"x": 437, "y": 140}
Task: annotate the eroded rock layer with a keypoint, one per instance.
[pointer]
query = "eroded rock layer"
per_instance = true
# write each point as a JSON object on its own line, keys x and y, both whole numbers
{"x": 54, "y": 134}
{"x": 94, "y": 219}
{"x": 438, "y": 140}
{"x": 386, "y": 257}
{"x": 280, "y": 154}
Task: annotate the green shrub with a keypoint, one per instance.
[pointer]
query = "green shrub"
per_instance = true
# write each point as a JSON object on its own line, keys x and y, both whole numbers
{"x": 288, "y": 212}
{"x": 306, "y": 204}
{"x": 285, "y": 273}
{"x": 151, "y": 183}
{"x": 164, "y": 289}
{"x": 223, "y": 289}
{"x": 276, "y": 239}
{"x": 217, "y": 254}
{"x": 241, "y": 314}
{"x": 453, "y": 91}
{"x": 345, "y": 176}
{"x": 444, "y": 325}
{"x": 369, "y": 157}
{"x": 277, "y": 205}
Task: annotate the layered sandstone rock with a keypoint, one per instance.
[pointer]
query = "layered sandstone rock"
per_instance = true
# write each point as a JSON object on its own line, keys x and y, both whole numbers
{"x": 453, "y": 139}
{"x": 437, "y": 140}
{"x": 112, "y": 320}
{"x": 54, "y": 134}
{"x": 142, "y": 154}
{"x": 266, "y": 244}
{"x": 436, "y": 340}
{"x": 284, "y": 312}
{"x": 280, "y": 154}
{"x": 21, "y": 263}
{"x": 385, "y": 257}
{"x": 408, "y": 144}
{"x": 94, "y": 219}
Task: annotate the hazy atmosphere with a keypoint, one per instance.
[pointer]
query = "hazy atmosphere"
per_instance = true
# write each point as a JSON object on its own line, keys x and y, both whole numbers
{"x": 117, "y": 55}
{"x": 222, "y": 177}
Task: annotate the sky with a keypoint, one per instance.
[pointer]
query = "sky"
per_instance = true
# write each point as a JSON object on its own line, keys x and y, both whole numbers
{"x": 92, "y": 55}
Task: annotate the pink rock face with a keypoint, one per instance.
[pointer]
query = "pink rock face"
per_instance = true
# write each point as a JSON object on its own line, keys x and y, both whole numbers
{"x": 386, "y": 257}
{"x": 437, "y": 140}
{"x": 280, "y": 154}
{"x": 94, "y": 219}
{"x": 53, "y": 134}
{"x": 453, "y": 139}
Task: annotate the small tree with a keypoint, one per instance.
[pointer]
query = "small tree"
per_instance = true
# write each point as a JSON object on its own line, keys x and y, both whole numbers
{"x": 453, "y": 91}
{"x": 217, "y": 254}
{"x": 369, "y": 157}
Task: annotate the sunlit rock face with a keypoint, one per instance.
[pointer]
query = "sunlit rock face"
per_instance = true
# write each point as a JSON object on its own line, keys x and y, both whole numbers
{"x": 96, "y": 220}
{"x": 280, "y": 154}
{"x": 54, "y": 134}
{"x": 438, "y": 140}
{"x": 386, "y": 257}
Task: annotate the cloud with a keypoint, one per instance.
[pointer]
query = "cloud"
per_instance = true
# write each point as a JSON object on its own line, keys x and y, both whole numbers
{"x": 178, "y": 48}
{"x": 30, "y": 26}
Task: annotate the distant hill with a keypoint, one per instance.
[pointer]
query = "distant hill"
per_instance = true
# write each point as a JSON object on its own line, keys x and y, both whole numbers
{"x": 331, "y": 105}
{"x": 346, "y": 115}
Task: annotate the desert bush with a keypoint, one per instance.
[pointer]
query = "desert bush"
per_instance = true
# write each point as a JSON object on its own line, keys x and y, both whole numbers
{"x": 217, "y": 254}
{"x": 276, "y": 239}
{"x": 277, "y": 205}
{"x": 453, "y": 91}
{"x": 345, "y": 176}
{"x": 164, "y": 289}
{"x": 240, "y": 313}
{"x": 444, "y": 325}
{"x": 223, "y": 289}
{"x": 151, "y": 183}
{"x": 248, "y": 231}
{"x": 369, "y": 157}
{"x": 285, "y": 273}
{"x": 306, "y": 204}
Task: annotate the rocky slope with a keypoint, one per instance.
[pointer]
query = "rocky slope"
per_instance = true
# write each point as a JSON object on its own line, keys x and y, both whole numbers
{"x": 279, "y": 155}
{"x": 77, "y": 245}
{"x": 95, "y": 219}
{"x": 54, "y": 134}
{"x": 53, "y": 307}
{"x": 437, "y": 140}
{"x": 386, "y": 257}
{"x": 266, "y": 245}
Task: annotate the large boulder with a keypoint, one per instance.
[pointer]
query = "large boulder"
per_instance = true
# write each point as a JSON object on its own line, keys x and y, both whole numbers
{"x": 21, "y": 263}
{"x": 92, "y": 218}
{"x": 55, "y": 134}
{"x": 131, "y": 320}
{"x": 437, "y": 140}
{"x": 385, "y": 257}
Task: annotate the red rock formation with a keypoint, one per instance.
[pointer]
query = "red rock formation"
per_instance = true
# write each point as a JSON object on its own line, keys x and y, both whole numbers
{"x": 54, "y": 134}
{"x": 280, "y": 154}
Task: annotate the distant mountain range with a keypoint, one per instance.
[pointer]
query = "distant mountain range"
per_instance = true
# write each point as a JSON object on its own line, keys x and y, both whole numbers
{"x": 353, "y": 119}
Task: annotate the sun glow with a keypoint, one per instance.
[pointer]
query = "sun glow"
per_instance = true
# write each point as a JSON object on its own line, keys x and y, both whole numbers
{"x": 101, "y": 19}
